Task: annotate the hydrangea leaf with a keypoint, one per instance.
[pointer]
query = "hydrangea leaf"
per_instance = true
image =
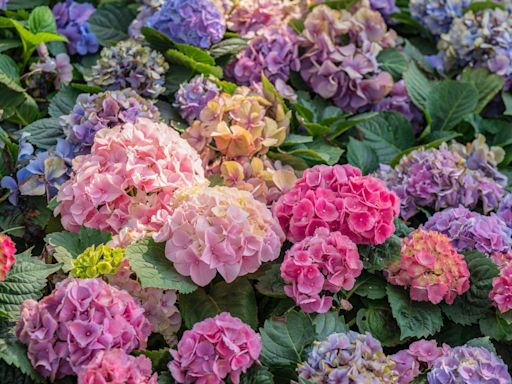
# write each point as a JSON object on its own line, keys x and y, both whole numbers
{"x": 370, "y": 286}
{"x": 392, "y": 61}
{"x": 63, "y": 102}
{"x": 377, "y": 258}
{"x": 44, "y": 133}
{"x": 362, "y": 156}
{"x": 41, "y": 19}
{"x": 418, "y": 86}
{"x": 165, "y": 378}
{"x": 487, "y": 84}
{"x": 9, "y": 74}
{"x": 197, "y": 54}
{"x": 228, "y": 47}
{"x": 496, "y": 328}
{"x": 271, "y": 284}
{"x": 328, "y": 323}
{"x": 378, "y": 320}
{"x": 482, "y": 342}
{"x": 257, "y": 374}
{"x": 110, "y": 23}
{"x": 156, "y": 39}
{"x": 177, "y": 57}
{"x": 15, "y": 367}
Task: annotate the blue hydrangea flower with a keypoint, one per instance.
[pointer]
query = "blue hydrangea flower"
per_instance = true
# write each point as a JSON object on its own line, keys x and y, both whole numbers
{"x": 437, "y": 15}
{"x": 193, "y": 96}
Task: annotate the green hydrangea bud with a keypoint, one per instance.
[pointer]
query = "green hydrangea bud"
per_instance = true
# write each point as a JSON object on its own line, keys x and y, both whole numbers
{"x": 97, "y": 261}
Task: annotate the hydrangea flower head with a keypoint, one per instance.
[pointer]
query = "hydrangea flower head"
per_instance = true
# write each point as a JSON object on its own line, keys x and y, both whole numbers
{"x": 7, "y": 252}
{"x": 117, "y": 367}
{"x": 92, "y": 113}
{"x": 193, "y": 96}
{"x": 129, "y": 64}
{"x": 128, "y": 179}
{"x": 146, "y": 9}
{"x": 341, "y": 199}
{"x": 501, "y": 293}
{"x": 66, "y": 330}
{"x": 349, "y": 358}
{"x": 325, "y": 262}
{"x": 195, "y": 22}
{"x": 505, "y": 210}
{"x": 97, "y": 261}
{"x": 219, "y": 229}
{"x": 214, "y": 350}
{"x": 430, "y": 267}
{"x": 48, "y": 73}
{"x": 469, "y": 365}
{"x": 437, "y": 15}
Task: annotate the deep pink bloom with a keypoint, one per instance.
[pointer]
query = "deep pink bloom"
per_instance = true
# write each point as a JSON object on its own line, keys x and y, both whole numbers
{"x": 501, "y": 293}
{"x": 7, "y": 251}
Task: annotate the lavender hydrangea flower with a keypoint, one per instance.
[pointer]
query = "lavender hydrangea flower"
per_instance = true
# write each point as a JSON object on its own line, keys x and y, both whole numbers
{"x": 194, "y": 22}
{"x": 348, "y": 358}
{"x": 469, "y": 230}
{"x": 437, "y": 15}
{"x": 469, "y": 365}
{"x": 505, "y": 210}
{"x": 129, "y": 64}
{"x": 103, "y": 110}
{"x": 147, "y": 9}
{"x": 71, "y": 18}
{"x": 385, "y": 7}
{"x": 192, "y": 97}
{"x": 3, "y": 4}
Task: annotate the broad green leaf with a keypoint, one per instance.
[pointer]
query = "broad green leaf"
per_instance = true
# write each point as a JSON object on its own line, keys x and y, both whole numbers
{"x": 28, "y": 111}
{"x": 296, "y": 162}
{"x": 44, "y": 133}
{"x": 337, "y": 4}
{"x": 377, "y": 258}
{"x": 378, "y": 320}
{"x": 318, "y": 151}
{"x": 270, "y": 92}
{"x": 486, "y": 83}
{"x": 285, "y": 340}
{"x": 228, "y": 47}
{"x": 9, "y": 74}
{"x": 197, "y": 54}
{"x": 110, "y": 23}
{"x": 482, "y": 271}
{"x": 476, "y": 6}
{"x": 257, "y": 374}
{"x": 463, "y": 312}
{"x": 12, "y": 375}
{"x": 370, "y": 286}
{"x": 165, "y": 378}
{"x": 360, "y": 154}
{"x": 393, "y": 61}
{"x": 159, "y": 358}
{"x": 176, "y": 76}
{"x": 156, "y": 39}
{"x": 177, "y": 57}
{"x": 42, "y": 20}
{"x": 226, "y": 86}
{"x": 15, "y": 367}
{"x": 449, "y": 102}
{"x": 482, "y": 342}
{"x": 496, "y": 328}
{"x": 294, "y": 139}
{"x": 271, "y": 284}
{"x": 343, "y": 125}
{"x": 197, "y": 306}
{"x": 415, "y": 319}
{"x": 418, "y": 86}
{"x": 25, "y": 4}
{"x": 7, "y": 44}
{"x": 327, "y": 324}
{"x": 147, "y": 259}
{"x": 86, "y": 88}
{"x": 63, "y": 102}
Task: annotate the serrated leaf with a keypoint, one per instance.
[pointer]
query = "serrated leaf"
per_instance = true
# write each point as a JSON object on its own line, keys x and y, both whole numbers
{"x": 156, "y": 39}
{"x": 360, "y": 154}
{"x": 327, "y": 324}
{"x": 294, "y": 139}
{"x": 159, "y": 358}
{"x": 87, "y": 88}
{"x": 418, "y": 86}
{"x": 7, "y": 44}
{"x": 63, "y": 102}
{"x": 464, "y": 313}
{"x": 271, "y": 284}
{"x": 176, "y": 76}
{"x": 486, "y": 83}
{"x": 14, "y": 355}
{"x": 12, "y": 375}
{"x": 165, "y": 378}
{"x": 496, "y": 328}
{"x": 178, "y": 57}
{"x": 110, "y": 23}
{"x": 42, "y": 20}
{"x": 197, "y": 54}
{"x": 228, "y": 47}
{"x": 9, "y": 74}
{"x": 44, "y": 133}
{"x": 377, "y": 258}
{"x": 482, "y": 342}
{"x": 370, "y": 286}
{"x": 257, "y": 374}
{"x": 147, "y": 259}
{"x": 378, "y": 320}
{"x": 392, "y": 61}
{"x": 415, "y": 319}
{"x": 482, "y": 271}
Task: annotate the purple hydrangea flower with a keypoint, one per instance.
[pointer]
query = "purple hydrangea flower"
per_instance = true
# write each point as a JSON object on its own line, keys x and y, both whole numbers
{"x": 505, "y": 210}
{"x": 385, "y": 7}
{"x": 470, "y": 230}
{"x": 193, "y": 96}
{"x": 194, "y": 22}
{"x": 348, "y": 358}
{"x": 71, "y": 18}
{"x": 103, "y": 110}
{"x": 3, "y": 4}
{"x": 147, "y": 9}
{"x": 469, "y": 365}
{"x": 437, "y": 15}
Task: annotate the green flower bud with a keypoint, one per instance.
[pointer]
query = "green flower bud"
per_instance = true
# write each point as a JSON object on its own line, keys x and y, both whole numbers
{"x": 97, "y": 261}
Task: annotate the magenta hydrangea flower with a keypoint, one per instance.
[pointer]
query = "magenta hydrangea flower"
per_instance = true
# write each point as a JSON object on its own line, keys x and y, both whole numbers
{"x": 214, "y": 350}
{"x": 128, "y": 179}
{"x": 81, "y": 318}
{"x": 117, "y": 367}
{"x": 430, "y": 267}
{"x": 219, "y": 229}
{"x": 325, "y": 262}
{"x": 193, "y": 96}
{"x": 501, "y": 293}
{"x": 341, "y": 199}
{"x": 7, "y": 252}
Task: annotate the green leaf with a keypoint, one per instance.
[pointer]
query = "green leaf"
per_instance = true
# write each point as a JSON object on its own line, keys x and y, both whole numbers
{"x": 294, "y": 139}
{"x": 270, "y": 92}
{"x": 197, "y": 54}
{"x": 7, "y": 44}
{"x": 318, "y": 151}
{"x": 360, "y": 154}
{"x": 337, "y": 4}
{"x": 41, "y": 20}
{"x": 388, "y": 134}
{"x": 9, "y": 74}
{"x": 236, "y": 298}
{"x": 24, "y": 281}
{"x": 176, "y": 57}
{"x": 415, "y": 319}
{"x": 418, "y": 86}
{"x": 393, "y": 61}
{"x": 296, "y": 162}
{"x": 449, "y": 102}
{"x": 228, "y": 47}
{"x": 464, "y": 313}
{"x": 257, "y": 374}
{"x": 378, "y": 320}
{"x": 370, "y": 286}
{"x": 377, "y": 258}
{"x": 271, "y": 284}
{"x": 482, "y": 271}
{"x": 147, "y": 259}
{"x": 28, "y": 111}
{"x": 12, "y": 375}
{"x": 44, "y": 133}
{"x": 285, "y": 340}
{"x": 25, "y": 4}
{"x": 327, "y": 324}
{"x": 496, "y": 328}
{"x": 176, "y": 76}
{"x": 86, "y": 88}
{"x": 159, "y": 358}
{"x": 110, "y": 23}
{"x": 16, "y": 367}
{"x": 165, "y": 378}
{"x": 63, "y": 102}
{"x": 481, "y": 5}
{"x": 482, "y": 342}
{"x": 486, "y": 83}
{"x": 156, "y": 39}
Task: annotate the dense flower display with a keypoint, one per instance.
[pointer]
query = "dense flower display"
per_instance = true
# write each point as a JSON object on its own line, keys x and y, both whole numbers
{"x": 327, "y": 261}
{"x": 219, "y": 229}
{"x": 128, "y": 179}
{"x": 340, "y": 199}
{"x": 437, "y": 16}
{"x": 348, "y": 358}
{"x": 147, "y": 9}
{"x": 97, "y": 261}
{"x": 505, "y": 210}
{"x": 215, "y": 349}
{"x": 467, "y": 365}
{"x": 92, "y": 113}
{"x": 193, "y": 96}
{"x": 129, "y": 64}
{"x": 80, "y": 318}
{"x": 501, "y": 293}
{"x": 430, "y": 267}
{"x": 117, "y": 367}
{"x": 7, "y": 251}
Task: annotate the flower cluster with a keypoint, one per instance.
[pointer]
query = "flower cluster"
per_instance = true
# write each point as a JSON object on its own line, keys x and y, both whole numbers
{"x": 505, "y": 210}
{"x": 349, "y": 358}
{"x": 92, "y": 113}
{"x": 147, "y": 9}
{"x": 79, "y": 319}
{"x": 159, "y": 305}
{"x": 219, "y": 229}
{"x": 446, "y": 177}
{"x": 275, "y": 52}
{"x": 128, "y": 179}
{"x": 193, "y": 96}
{"x": 48, "y": 73}
{"x": 194, "y": 22}
{"x": 341, "y": 199}
{"x": 117, "y": 367}
{"x": 97, "y": 261}
{"x": 7, "y": 251}
{"x": 437, "y": 15}
{"x": 501, "y": 293}
{"x": 327, "y": 261}
{"x": 469, "y": 230}
{"x": 431, "y": 267}
{"x": 385, "y": 7}
{"x": 347, "y": 73}
{"x": 214, "y": 350}
{"x": 129, "y": 64}
{"x": 467, "y": 365}
{"x": 71, "y": 18}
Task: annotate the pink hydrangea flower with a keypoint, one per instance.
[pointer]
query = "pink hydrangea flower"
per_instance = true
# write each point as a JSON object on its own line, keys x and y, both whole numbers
{"x": 67, "y": 329}
{"x": 431, "y": 268}
{"x": 219, "y": 229}
{"x": 117, "y": 367}
{"x": 327, "y": 261}
{"x": 215, "y": 349}
{"x": 7, "y": 251}
{"x": 341, "y": 199}
{"x": 128, "y": 179}
{"x": 501, "y": 293}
